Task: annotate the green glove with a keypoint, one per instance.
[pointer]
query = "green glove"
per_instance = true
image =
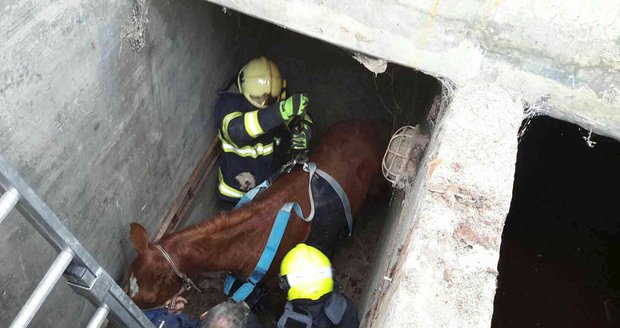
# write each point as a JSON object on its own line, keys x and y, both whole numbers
{"x": 295, "y": 105}
{"x": 301, "y": 138}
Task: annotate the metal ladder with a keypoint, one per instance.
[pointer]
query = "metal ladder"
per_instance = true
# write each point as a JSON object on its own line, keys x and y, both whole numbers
{"x": 83, "y": 273}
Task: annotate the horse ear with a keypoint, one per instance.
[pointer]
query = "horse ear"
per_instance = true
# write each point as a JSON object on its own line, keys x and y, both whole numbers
{"x": 139, "y": 237}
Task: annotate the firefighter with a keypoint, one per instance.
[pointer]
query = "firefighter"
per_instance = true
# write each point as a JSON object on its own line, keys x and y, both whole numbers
{"x": 254, "y": 118}
{"x": 306, "y": 276}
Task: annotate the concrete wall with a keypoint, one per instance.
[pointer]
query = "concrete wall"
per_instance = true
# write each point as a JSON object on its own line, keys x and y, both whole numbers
{"x": 105, "y": 135}
{"x": 561, "y": 57}
{"x": 438, "y": 263}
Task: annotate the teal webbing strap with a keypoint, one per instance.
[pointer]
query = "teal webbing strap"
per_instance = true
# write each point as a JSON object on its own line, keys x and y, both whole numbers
{"x": 279, "y": 227}
{"x": 271, "y": 248}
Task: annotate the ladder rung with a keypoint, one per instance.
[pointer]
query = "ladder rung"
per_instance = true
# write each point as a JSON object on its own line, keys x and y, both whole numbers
{"x": 43, "y": 289}
{"x": 87, "y": 278}
{"x": 98, "y": 317}
{"x": 7, "y": 202}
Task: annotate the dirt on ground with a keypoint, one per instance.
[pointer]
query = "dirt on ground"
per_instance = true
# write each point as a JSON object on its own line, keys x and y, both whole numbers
{"x": 354, "y": 255}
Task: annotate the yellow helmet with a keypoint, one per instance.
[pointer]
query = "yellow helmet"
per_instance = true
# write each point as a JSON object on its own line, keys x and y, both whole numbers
{"x": 307, "y": 273}
{"x": 260, "y": 82}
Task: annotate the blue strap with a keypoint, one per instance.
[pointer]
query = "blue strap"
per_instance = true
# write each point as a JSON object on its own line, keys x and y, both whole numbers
{"x": 271, "y": 248}
{"x": 277, "y": 231}
{"x": 252, "y": 193}
{"x": 230, "y": 280}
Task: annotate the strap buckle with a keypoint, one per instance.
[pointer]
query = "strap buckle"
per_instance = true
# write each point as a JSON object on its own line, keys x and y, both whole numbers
{"x": 188, "y": 284}
{"x": 288, "y": 167}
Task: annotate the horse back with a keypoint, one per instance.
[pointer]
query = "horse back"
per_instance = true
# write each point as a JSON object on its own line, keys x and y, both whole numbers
{"x": 351, "y": 152}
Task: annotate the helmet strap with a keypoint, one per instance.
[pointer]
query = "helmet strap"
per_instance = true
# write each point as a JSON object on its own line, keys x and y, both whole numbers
{"x": 284, "y": 283}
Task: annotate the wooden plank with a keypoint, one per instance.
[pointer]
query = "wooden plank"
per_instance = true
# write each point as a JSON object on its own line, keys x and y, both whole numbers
{"x": 179, "y": 209}
{"x": 184, "y": 211}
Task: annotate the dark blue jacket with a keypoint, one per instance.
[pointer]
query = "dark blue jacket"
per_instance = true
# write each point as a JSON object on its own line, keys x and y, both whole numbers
{"x": 249, "y": 138}
{"x": 248, "y": 142}
{"x": 161, "y": 318}
{"x": 331, "y": 311}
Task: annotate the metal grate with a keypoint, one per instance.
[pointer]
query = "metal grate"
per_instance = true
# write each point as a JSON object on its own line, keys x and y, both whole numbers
{"x": 396, "y": 161}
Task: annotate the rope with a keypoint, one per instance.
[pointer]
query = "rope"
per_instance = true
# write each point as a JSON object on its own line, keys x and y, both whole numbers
{"x": 187, "y": 282}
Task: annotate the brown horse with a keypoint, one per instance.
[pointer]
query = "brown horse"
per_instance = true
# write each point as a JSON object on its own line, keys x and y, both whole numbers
{"x": 350, "y": 152}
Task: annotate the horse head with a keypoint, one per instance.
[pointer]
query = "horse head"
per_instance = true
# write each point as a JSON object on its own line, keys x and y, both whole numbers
{"x": 151, "y": 278}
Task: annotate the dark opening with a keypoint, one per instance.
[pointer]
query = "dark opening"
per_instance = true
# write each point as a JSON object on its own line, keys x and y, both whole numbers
{"x": 560, "y": 253}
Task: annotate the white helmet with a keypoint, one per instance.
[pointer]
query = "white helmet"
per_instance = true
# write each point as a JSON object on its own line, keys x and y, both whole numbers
{"x": 260, "y": 82}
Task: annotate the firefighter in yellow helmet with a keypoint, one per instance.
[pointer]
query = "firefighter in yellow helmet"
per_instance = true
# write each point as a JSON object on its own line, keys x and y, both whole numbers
{"x": 254, "y": 116}
{"x": 307, "y": 277}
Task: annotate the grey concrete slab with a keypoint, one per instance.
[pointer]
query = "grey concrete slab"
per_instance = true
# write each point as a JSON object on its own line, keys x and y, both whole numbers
{"x": 561, "y": 57}
{"x": 439, "y": 266}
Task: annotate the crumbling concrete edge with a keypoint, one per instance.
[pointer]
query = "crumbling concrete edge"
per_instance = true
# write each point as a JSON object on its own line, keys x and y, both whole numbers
{"x": 135, "y": 34}
{"x": 445, "y": 273}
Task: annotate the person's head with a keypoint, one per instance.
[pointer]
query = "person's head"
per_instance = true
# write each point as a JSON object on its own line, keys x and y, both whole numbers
{"x": 226, "y": 315}
{"x": 306, "y": 273}
{"x": 260, "y": 83}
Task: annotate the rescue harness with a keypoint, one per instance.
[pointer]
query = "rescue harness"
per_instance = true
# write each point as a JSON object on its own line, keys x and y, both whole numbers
{"x": 279, "y": 226}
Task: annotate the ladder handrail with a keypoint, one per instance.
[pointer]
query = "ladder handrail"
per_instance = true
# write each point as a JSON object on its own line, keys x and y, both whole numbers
{"x": 83, "y": 273}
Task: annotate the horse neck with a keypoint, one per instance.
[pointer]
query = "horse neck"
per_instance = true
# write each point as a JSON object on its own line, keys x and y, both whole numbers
{"x": 217, "y": 245}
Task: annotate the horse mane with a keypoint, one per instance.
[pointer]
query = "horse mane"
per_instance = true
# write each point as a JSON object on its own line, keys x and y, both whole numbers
{"x": 223, "y": 221}
{"x": 214, "y": 235}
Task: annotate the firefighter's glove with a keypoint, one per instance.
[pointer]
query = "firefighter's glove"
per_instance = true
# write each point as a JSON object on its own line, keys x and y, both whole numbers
{"x": 301, "y": 138}
{"x": 294, "y": 106}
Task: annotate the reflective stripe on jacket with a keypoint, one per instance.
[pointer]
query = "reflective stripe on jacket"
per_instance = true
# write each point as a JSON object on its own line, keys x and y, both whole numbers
{"x": 247, "y": 142}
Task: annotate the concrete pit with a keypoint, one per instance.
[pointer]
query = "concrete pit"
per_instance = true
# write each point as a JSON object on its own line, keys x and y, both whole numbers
{"x": 340, "y": 88}
{"x": 106, "y": 108}
{"x": 131, "y": 139}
